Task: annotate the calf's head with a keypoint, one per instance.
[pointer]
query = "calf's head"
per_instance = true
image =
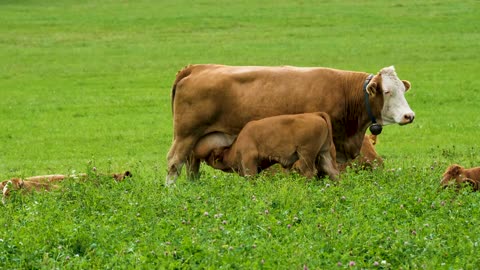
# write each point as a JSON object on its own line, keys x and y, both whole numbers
{"x": 395, "y": 107}
{"x": 216, "y": 159}
{"x": 121, "y": 176}
{"x": 12, "y": 184}
{"x": 453, "y": 172}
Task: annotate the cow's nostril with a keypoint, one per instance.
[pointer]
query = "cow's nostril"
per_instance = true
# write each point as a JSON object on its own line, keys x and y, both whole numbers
{"x": 409, "y": 117}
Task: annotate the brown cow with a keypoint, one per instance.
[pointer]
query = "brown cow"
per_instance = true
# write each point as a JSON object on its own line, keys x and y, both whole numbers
{"x": 223, "y": 99}
{"x": 459, "y": 175}
{"x": 302, "y": 142}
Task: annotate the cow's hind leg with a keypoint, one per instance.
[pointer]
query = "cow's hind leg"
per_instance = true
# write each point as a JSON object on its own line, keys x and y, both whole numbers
{"x": 177, "y": 156}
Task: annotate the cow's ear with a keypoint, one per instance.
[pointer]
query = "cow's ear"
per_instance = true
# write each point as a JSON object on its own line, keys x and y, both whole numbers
{"x": 407, "y": 85}
{"x": 374, "y": 85}
{"x": 372, "y": 88}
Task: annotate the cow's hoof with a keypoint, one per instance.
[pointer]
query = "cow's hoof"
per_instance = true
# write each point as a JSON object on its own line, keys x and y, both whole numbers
{"x": 170, "y": 180}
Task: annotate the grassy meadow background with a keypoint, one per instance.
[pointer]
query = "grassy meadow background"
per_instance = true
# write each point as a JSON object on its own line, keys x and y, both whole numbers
{"x": 87, "y": 84}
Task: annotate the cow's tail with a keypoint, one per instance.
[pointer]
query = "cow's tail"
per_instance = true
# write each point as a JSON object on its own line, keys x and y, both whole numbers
{"x": 181, "y": 74}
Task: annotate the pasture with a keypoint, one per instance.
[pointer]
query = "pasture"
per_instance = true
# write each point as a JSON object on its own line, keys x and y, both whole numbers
{"x": 86, "y": 84}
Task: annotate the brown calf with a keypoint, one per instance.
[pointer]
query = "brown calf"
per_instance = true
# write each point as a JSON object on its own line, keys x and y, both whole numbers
{"x": 17, "y": 184}
{"x": 302, "y": 142}
{"x": 60, "y": 177}
{"x": 45, "y": 182}
{"x": 461, "y": 175}
{"x": 368, "y": 158}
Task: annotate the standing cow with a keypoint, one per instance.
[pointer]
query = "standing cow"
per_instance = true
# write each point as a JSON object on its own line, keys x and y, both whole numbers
{"x": 302, "y": 142}
{"x": 222, "y": 99}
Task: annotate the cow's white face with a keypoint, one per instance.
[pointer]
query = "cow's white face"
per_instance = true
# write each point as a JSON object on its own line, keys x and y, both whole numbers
{"x": 395, "y": 108}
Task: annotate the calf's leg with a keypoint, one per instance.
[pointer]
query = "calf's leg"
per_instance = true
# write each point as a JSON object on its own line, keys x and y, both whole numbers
{"x": 328, "y": 165}
{"x": 248, "y": 165}
{"x": 305, "y": 165}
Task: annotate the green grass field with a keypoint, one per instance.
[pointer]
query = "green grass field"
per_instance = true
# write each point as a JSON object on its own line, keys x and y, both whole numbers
{"x": 87, "y": 84}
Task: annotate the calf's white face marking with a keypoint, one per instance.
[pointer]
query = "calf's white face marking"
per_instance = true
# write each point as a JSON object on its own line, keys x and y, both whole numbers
{"x": 395, "y": 108}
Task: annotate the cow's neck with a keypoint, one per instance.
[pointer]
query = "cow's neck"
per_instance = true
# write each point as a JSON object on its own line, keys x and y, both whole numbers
{"x": 355, "y": 119}
{"x": 367, "y": 101}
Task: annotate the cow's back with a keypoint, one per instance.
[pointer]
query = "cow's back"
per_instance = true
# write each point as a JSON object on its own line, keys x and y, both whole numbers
{"x": 217, "y": 98}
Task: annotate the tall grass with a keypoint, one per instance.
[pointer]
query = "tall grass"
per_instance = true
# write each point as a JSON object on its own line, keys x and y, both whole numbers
{"x": 87, "y": 84}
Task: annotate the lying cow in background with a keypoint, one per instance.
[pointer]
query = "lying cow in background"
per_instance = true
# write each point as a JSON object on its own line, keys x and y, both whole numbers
{"x": 223, "y": 99}
{"x": 368, "y": 158}
{"x": 45, "y": 182}
{"x": 302, "y": 142}
{"x": 459, "y": 175}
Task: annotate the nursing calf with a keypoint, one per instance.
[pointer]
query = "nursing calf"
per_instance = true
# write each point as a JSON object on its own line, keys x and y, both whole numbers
{"x": 302, "y": 142}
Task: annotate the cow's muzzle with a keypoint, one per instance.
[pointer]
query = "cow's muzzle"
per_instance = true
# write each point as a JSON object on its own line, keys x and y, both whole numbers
{"x": 407, "y": 118}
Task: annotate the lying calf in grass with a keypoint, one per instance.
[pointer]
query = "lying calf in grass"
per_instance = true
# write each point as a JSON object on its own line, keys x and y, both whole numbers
{"x": 45, "y": 182}
{"x": 28, "y": 186}
{"x": 302, "y": 142}
{"x": 459, "y": 176}
{"x": 60, "y": 177}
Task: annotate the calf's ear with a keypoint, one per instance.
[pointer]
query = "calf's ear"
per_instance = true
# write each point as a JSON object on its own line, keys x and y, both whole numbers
{"x": 456, "y": 170}
{"x": 407, "y": 85}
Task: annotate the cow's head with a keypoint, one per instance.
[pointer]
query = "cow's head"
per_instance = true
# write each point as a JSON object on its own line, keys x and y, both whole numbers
{"x": 395, "y": 107}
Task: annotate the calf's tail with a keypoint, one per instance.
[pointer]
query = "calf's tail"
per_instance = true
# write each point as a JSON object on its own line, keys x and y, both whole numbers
{"x": 329, "y": 124}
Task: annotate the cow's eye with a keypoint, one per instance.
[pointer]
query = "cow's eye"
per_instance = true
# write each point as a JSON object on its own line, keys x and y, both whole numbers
{"x": 387, "y": 92}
